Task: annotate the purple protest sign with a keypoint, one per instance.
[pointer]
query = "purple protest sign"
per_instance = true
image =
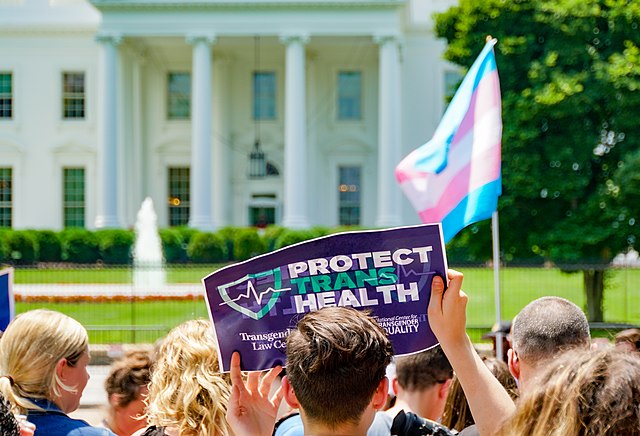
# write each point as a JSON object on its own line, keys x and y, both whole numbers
{"x": 254, "y": 304}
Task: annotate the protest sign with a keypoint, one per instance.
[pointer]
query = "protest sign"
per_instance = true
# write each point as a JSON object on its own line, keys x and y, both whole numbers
{"x": 255, "y": 304}
{"x": 6, "y": 298}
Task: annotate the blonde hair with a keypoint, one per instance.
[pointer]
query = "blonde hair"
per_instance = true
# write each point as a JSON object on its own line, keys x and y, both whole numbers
{"x": 30, "y": 348}
{"x": 186, "y": 390}
{"x": 582, "y": 393}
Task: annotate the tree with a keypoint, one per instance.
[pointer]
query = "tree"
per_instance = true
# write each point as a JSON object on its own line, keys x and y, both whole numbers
{"x": 570, "y": 76}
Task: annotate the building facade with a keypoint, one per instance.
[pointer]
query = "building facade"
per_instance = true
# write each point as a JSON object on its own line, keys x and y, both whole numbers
{"x": 224, "y": 112}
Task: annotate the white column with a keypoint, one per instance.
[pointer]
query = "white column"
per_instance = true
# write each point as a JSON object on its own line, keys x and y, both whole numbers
{"x": 108, "y": 182}
{"x": 389, "y": 135}
{"x": 201, "y": 115}
{"x": 295, "y": 143}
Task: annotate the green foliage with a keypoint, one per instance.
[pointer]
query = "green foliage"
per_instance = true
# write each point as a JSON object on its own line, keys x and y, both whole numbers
{"x": 228, "y": 236}
{"x": 271, "y": 234}
{"x": 290, "y": 237}
{"x": 186, "y": 233}
{"x": 49, "y": 245}
{"x": 247, "y": 243}
{"x": 5, "y": 254}
{"x": 115, "y": 246}
{"x": 173, "y": 247}
{"x": 207, "y": 248}
{"x": 568, "y": 70}
{"x": 79, "y": 246}
{"x": 23, "y": 247}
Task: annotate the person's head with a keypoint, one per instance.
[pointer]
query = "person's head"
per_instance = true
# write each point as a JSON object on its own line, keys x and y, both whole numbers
{"x": 45, "y": 356}
{"x": 545, "y": 328}
{"x": 336, "y": 361}
{"x": 187, "y": 390}
{"x": 582, "y": 392}
{"x": 457, "y": 414}
{"x": 628, "y": 340}
{"x": 423, "y": 380}
{"x": 127, "y": 387}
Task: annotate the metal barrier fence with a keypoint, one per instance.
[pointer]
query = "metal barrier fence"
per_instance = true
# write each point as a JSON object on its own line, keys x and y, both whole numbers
{"x": 117, "y": 308}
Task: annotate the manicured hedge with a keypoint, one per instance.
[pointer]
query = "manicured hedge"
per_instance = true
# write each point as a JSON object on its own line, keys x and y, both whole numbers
{"x": 23, "y": 247}
{"x": 247, "y": 243}
{"x": 115, "y": 246}
{"x": 79, "y": 246}
{"x": 207, "y": 248}
{"x": 49, "y": 245}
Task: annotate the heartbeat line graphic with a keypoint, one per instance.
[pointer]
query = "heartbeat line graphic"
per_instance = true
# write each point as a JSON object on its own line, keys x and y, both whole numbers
{"x": 410, "y": 272}
{"x": 251, "y": 290}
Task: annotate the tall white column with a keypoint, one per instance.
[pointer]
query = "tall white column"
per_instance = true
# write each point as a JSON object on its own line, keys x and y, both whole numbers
{"x": 108, "y": 181}
{"x": 389, "y": 134}
{"x": 295, "y": 141}
{"x": 201, "y": 216}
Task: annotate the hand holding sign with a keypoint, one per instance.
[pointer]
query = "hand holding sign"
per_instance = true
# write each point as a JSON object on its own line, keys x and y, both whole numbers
{"x": 448, "y": 310}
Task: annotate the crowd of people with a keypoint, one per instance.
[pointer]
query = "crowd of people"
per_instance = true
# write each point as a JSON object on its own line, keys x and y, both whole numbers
{"x": 555, "y": 381}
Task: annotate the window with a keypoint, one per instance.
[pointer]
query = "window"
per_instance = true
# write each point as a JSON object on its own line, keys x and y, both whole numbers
{"x": 6, "y": 95}
{"x": 179, "y": 196}
{"x": 6, "y": 197}
{"x": 73, "y": 96}
{"x": 349, "y": 196}
{"x": 179, "y": 96}
{"x": 264, "y": 95}
{"x": 74, "y": 203}
{"x": 349, "y": 95}
{"x": 262, "y": 216}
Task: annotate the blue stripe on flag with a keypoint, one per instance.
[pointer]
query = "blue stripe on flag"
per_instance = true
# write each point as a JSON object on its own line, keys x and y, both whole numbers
{"x": 433, "y": 156}
{"x": 476, "y": 206}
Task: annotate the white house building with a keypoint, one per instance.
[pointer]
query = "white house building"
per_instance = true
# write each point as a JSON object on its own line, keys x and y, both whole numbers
{"x": 224, "y": 112}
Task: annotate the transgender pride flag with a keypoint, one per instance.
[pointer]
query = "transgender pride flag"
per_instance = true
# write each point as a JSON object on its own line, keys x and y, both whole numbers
{"x": 455, "y": 178}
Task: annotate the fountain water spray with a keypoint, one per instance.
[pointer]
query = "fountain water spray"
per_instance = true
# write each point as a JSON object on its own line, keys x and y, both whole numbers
{"x": 148, "y": 262}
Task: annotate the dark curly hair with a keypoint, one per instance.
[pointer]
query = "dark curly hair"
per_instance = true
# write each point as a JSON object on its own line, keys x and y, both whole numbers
{"x": 8, "y": 423}
{"x": 127, "y": 376}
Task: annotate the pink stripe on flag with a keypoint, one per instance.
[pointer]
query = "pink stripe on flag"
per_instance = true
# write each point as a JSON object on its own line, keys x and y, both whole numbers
{"x": 470, "y": 178}
{"x": 484, "y": 99}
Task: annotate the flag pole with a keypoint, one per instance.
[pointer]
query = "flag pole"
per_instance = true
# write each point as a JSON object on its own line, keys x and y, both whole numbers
{"x": 496, "y": 282}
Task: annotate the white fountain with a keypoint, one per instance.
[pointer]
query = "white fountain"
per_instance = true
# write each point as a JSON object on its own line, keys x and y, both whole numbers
{"x": 148, "y": 262}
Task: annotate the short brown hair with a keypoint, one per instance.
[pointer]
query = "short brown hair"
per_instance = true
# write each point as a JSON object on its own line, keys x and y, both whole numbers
{"x": 336, "y": 359}
{"x": 420, "y": 371}
{"x": 632, "y": 336}
{"x": 547, "y": 327}
{"x": 127, "y": 376}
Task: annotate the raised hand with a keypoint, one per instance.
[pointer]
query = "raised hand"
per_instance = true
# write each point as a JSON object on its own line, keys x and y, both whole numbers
{"x": 448, "y": 310}
{"x": 251, "y": 411}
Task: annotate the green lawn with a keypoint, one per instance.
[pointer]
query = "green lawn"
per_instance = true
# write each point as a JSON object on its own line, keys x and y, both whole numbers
{"x": 91, "y": 274}
{"x": 110, "y": 322}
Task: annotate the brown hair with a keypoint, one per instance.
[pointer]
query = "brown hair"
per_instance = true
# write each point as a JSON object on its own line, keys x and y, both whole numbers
{"x": 336, "y": 359}
{"x": 420, "y": 371}
{"x": 127, "y": 376}
{"x": 631, "y": 336}
{"x": 548, "y": 326}
{"x": 457, "y": 414}
{"x": 582, "y": 393}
